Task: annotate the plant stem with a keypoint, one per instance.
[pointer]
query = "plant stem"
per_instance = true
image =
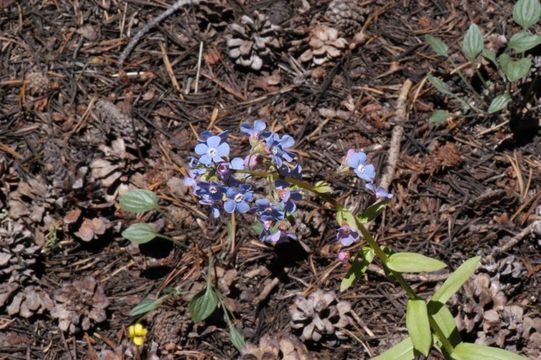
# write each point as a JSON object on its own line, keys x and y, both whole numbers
{"x": 233, "y": 233}
{"x": 463, "y": 78}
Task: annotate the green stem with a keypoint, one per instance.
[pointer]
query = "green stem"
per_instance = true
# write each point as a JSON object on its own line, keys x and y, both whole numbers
{"x": 439, "y": 333}
{"x": 463, "y": 78}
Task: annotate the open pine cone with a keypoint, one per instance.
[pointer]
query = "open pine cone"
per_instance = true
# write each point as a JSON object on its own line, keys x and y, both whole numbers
{"x": 80, "y": 305}
{"x": 325, "y": 45}
{"x": 478, "y": 295}
{"x": 346, "y": 15}
{"x": 279, "y": 347}
{"x": 321, "y": 317}
{"x": 252, "y": 41}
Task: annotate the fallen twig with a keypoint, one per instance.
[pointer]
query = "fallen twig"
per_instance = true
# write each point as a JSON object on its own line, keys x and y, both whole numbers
{"x": 396, "y": 138}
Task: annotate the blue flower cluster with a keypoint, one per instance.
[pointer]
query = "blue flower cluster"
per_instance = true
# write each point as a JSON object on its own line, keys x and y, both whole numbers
{"x": 225, "y": 184}
{"x": 357, "y": 161}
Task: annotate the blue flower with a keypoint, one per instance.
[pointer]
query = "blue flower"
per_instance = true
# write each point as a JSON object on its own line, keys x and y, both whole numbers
{"x": 295, "y": 173}
{"x": 193, "y": 178}
{"x": 379, "y": 191}
{"x": 288, "y": 197}
{"x": 213, "y": 150}
{"x": 278, "y": 236}
{"x": 277, "y": 147}
{"x": 268, "y": 212}
{"x": 357, "y": 161}
{"x": 346, "y": 235}
{"x": 237, "y": 164}
{"x": 255, "y": 130}
{"x": 210, "y": 191}
{"x": 237, "y": 199}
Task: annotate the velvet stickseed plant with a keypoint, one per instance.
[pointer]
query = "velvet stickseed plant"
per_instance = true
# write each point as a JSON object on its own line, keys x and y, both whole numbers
{"x": 511, "y": 65}
{"x": 270, "y": 189}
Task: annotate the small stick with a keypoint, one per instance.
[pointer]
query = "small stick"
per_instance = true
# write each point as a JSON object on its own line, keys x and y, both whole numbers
{"x": 396, "y": 138}
{"x": 517, "y": 238}
{"x": 150, "y": 25}
{"x": 196, "y": 86}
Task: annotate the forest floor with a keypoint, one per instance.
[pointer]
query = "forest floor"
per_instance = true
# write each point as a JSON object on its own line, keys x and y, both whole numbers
{"x": 75, "y": 131}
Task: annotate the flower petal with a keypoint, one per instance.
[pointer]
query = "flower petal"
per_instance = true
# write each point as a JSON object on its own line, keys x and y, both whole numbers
{"x": 223, "y": 149}
{"x": 213, "y": 141}
{"x": 201, "y": 149}
{"x": 205, "y": 160}
{"x": 237, "y": 164}
{"x": 243, "y": 207}
{"x": 229, "y": 206}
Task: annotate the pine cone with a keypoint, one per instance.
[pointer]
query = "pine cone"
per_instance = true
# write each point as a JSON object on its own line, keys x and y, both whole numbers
{"x": 38, "y": 82}
{"x": 170, "y": 327}
{"x": 509, "y": 272}
{"x": 214, "y": 14}
{"x": 54, "y": 163}
{"x": 113, "y": 119}
{"x": 478, "y": 295}
{"x": 252, "y": 41}
{"x": 29, "y": 301}
{"x": 279, "y": 347}
{"x": 80, "y": 305}
{"x": 32, "y": 201}
{"x": 325, "y": 45}
{"x": 321, "y": 317}
{"x": 346, "y": 15}
{"x": 18, "y": 253}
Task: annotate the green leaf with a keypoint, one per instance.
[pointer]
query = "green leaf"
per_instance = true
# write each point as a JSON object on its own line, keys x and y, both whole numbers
{"x": 490, "y": 55}
{"x": 138, "y": 201}
{"x": 203, "y": 304}
{"x": 439, "y": 116}
{"x": 419, "y": 326}
{"x": 500, "y": 102}
{"x": 467, "y": 351}
{"x": 526, "y": 12}
{"x": 147, "y": 305}
{"x": 371, "y": 212}
{"x": 413, "y": 262}
{"x": 322, "y": 187}
{"x": 236, "y": 337}
{"x": 441, "y": 314}
{"x": 140, "y": 233}
{"x": 401, "y": 351}
{"x": 455, "y": 281}
{"x": 343, "y": 215}
{"x": 514, "y": 70}
{"x": 439, "y": 85}
{"x": 473, "y": 43}
{"x": 523, "y": 41}
{"x": 437, "y": 45}
{"x": 357, "y": 269}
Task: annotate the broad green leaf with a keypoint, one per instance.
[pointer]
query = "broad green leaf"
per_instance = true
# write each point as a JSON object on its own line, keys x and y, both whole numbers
{"x": 467, "y": 351}
{"x": 357, "y": 269}
{"x": 140, "y": 233}
{"x": 441, "y": 314}
{"x": 514, "y": 70}
{"x": 236, "y": 337}
{"x": 401, "y": 351}
{"x": 473, "y": 43}
{"x": 523, "y": 41}
{"x": 490, "y": 55}
{"x": 322, "y": 187}
{"x": 147, "y": 305}
{"x": 500, "y": 102}
{"x": 138, "y": 201}
{"x": 437, "y": 45}
{"x": 526, "y": 12}
{"x": 203, "y": 304}
{"x": 439, "y": 116}
{"x": 413, "y": 262}
{"x": 343, "y": 215}
{"x": 440, "y": 85}
{"x": 371, "y": 212}
{"x": 455, "y": 281}
{"x": 419, "y": 326}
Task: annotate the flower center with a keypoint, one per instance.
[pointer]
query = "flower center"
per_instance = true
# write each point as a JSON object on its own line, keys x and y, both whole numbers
{"x": 212, "y": 151}
{"x": 238, "y": 197}
{"x": 213, "y": 189}
{"x": 360, "y": 168}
